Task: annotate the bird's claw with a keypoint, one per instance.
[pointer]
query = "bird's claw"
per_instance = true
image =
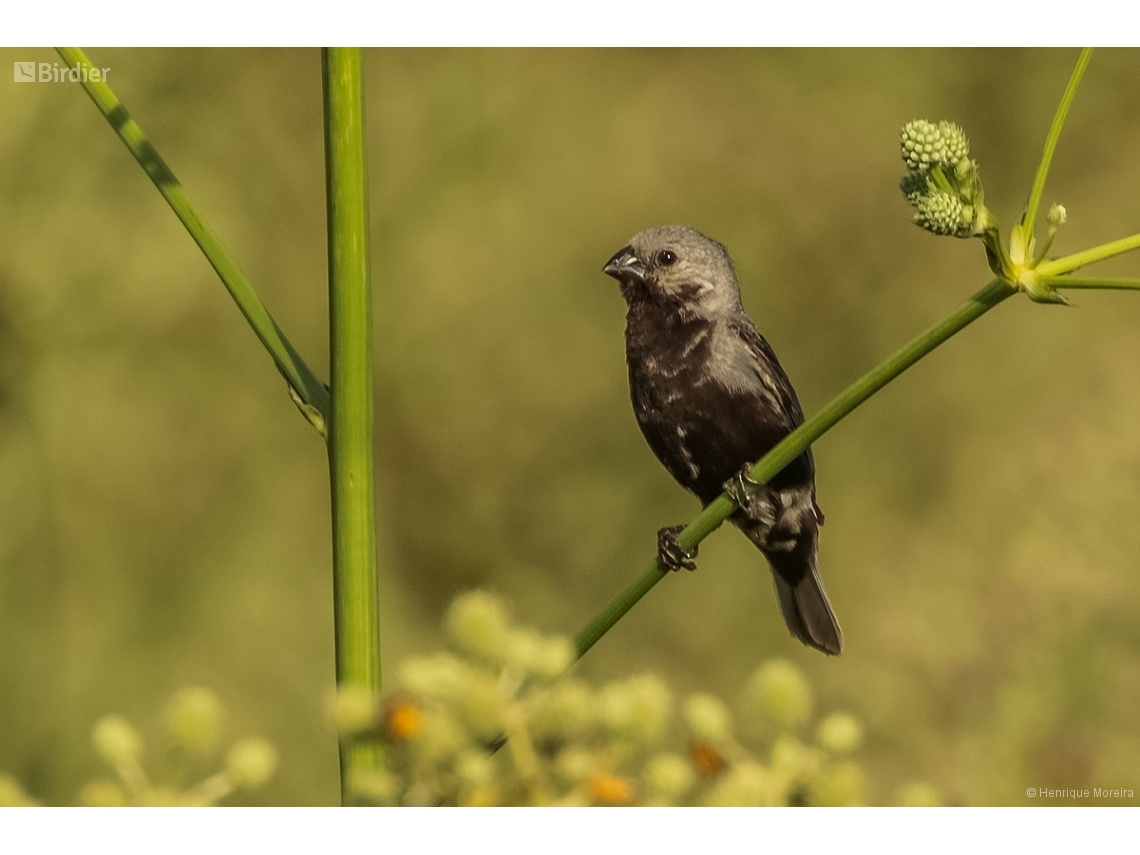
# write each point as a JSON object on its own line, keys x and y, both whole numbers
{"x": 758, "y": 501}
{"x": 670, "y": 554}
{"x": 742, "y": 487}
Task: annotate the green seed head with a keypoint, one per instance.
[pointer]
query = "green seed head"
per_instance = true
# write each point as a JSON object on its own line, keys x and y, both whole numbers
{"x": 954, "y": 142}
{"x": 925, "y": 144}
{"x": 944, "y": 214}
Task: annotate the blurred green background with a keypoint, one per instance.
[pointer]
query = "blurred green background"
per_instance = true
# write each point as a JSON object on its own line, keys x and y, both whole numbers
{"x": 164, "y": 507}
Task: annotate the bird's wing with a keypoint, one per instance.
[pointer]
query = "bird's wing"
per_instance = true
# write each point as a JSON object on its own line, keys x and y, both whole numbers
{"x": 771, "y": 374}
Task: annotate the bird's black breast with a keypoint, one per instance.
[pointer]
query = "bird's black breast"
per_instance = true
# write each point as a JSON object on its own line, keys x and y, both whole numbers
{"x": 701, "y": 429}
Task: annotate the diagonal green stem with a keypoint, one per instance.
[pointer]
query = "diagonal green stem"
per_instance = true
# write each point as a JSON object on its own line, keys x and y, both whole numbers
{"x": 794, "y": 444}
{"x": 1030, "y": 216}
{"x": 350, "y": 435}
{"x": 308, "y": 392}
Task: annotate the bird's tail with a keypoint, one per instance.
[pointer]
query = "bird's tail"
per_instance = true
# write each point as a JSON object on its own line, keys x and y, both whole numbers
{"x": 802, "y": 599}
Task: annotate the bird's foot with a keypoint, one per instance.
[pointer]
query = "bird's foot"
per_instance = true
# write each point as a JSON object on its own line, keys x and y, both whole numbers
{"x": 670, "y": 554}
{"x": 757, "y": 500}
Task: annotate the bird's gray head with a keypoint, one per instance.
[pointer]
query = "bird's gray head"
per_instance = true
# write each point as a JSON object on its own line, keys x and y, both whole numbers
{"x": 679, "y": 265}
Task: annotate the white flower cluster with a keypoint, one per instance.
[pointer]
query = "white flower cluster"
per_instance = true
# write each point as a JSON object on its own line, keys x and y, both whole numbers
{"x": 498, "y": 722}
{"x": 193, "y": 724}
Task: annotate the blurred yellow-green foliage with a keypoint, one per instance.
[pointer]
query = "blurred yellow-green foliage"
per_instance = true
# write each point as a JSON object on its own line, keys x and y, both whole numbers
{"x": 494, "y": 721}
{"x": 165, "y": 508}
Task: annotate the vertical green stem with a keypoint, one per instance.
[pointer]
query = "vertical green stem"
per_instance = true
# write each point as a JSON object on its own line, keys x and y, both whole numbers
{"x": 1029, "y": 218}
{"x": 350, "y": 433}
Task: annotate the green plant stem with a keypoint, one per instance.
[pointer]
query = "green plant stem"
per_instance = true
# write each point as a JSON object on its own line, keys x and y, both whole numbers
{"x": 1119, "y": 283}
{"x": 308, "y": 392}
{"x": 350, "y": 430}
{"x": 1030, "y": 216}
{"x": 794, "y": 444}
{"x": 1068, "y": 263}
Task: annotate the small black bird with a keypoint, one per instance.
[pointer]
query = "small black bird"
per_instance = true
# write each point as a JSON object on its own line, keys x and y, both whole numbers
{"x": 711, "y": 400}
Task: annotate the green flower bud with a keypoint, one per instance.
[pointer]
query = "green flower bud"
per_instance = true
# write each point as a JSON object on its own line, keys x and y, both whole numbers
{"x": 708, "y": 718}
{"x": 668, "y": 777}
{"x": 353, "y": 709}
{"x": 925, "y": 144}
{"x": 780, "y": 692}
{"x": 954, "y": 142}
{"x": 842, "y": 785}
{"x": 251, "y": 763}
{"x": 116, "y": 740}
{"x": 12, "y": 793}
{"x": 840, "y": 733}
{"x": 477, "y": 622}
{"x": 921, "y": 144}
{"x": 564, "y": 711}
{"x": 637, "y": 709}
{"x": 746, "y": 784}
{"x": 944, "y": 214}
{"x": 193, "y": 717}
{"x": 374, "y": 786}
{"x": 102, "y": 793}
{"x": 918, "y": 795}
{"x": 1057, "y": 216}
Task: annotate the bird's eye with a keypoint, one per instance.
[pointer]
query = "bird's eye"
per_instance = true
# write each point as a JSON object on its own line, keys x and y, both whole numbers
{"x": 667, "y": 257}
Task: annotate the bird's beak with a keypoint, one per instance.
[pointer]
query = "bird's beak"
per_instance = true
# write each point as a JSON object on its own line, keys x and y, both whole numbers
{"x": 625, "y": 266}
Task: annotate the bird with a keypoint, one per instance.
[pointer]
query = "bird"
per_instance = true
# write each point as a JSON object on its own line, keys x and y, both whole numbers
{"x": 711, "y": 399}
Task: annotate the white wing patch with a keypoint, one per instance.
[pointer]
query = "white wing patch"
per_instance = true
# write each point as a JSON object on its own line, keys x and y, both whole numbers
{"x": 694, "y": 470}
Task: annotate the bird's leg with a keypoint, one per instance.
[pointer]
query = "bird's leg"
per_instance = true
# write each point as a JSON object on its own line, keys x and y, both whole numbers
{"x": 670, "y": 554}
{"x": 777, "y": 519}
{"x": 759, "y": 502}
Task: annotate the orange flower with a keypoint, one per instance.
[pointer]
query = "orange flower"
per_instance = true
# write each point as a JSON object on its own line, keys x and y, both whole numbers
{"x": 402, "y": 719}
{"x": 610, "y": 790}
{"x": 706, "y": 759}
